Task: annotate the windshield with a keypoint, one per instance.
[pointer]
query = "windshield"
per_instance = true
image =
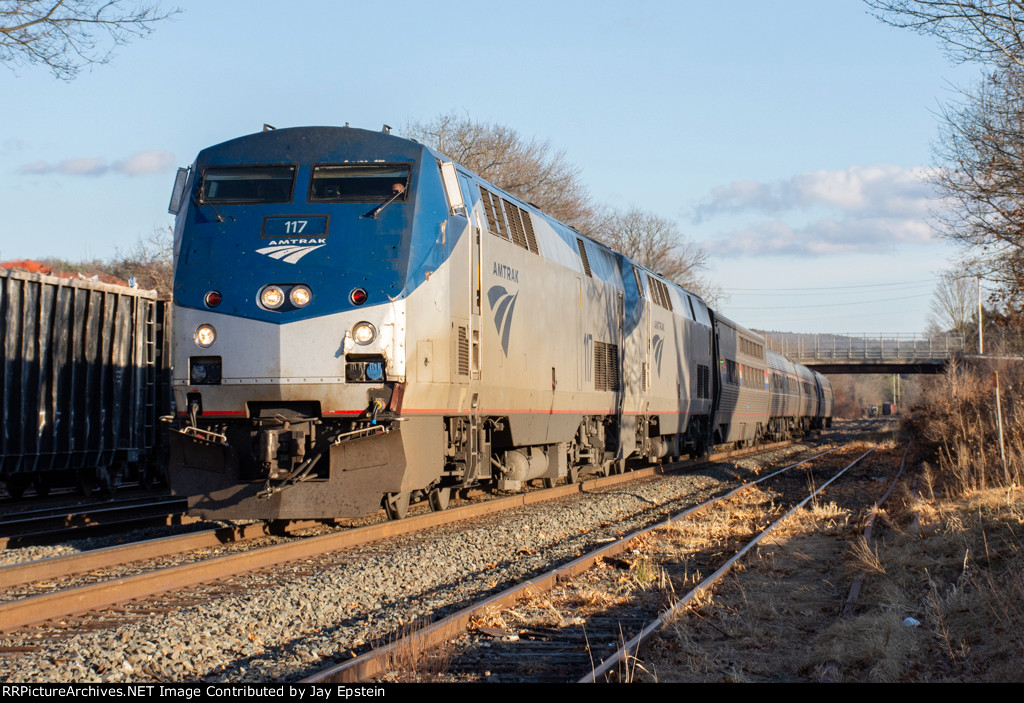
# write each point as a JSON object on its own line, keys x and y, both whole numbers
{"x": 359, "y": 183}
{"x": 248, "y": 184}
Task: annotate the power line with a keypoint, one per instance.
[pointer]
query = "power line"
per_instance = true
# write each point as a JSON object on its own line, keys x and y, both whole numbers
{"x": 827, "y": 305}
{"x": 796, "y": 293}
{"x": 871, "y": 285}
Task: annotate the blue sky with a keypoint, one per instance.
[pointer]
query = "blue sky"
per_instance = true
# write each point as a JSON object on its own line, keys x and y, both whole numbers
{"x": 787, "y": 138}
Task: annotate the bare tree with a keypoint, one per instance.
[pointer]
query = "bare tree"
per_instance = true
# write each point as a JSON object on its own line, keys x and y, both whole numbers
{"x": 986, "y": 31}
{"x": 954, "y": 305}
{"x": 149, "y": 262}
{"x": 530, "y": 170}
{"x": 68, "y": 35}
{"x": 656, "y": 243}
{"x": 981, "y": 146}
{"x": 526, "y": 168}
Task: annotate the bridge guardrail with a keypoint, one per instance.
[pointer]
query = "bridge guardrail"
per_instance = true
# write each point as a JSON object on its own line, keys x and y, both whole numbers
{"x": 865, "y": 346}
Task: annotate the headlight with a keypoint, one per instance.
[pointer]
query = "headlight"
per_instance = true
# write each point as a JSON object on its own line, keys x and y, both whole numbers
{"x": 205, "y": 335}
{"x": 300, "y": 296}
{"x": 272, "y": 297}
{"x": 363, "y": 333}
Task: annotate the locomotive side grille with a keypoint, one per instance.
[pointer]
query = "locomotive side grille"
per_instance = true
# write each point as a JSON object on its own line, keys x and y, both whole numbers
{"x": 463, "y": 352}
{"x": 665, "y": 296}
{"x": 703, "y": 382}
{"x": 494, "y": 216}
{"x": 606, "y": 366}
{"x": 645, "y": 377}
{"x": 515, "y": 224}
{"x": 583, "y": 257}
{"x": 531, "y": 238}
{"x": 659, "y": 291}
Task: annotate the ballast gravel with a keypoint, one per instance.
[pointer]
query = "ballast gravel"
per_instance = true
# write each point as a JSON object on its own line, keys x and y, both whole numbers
{"x": 286, "y": 623}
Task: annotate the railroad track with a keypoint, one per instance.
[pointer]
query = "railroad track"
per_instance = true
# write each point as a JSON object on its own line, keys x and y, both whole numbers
{"x": 81, "y": 521}
{"x": 546, "y": 631}
{"x": 265, "y": 571}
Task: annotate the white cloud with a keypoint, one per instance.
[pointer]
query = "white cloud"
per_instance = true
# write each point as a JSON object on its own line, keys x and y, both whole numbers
{"x": 824, "y": 237}
{"x": 35, "y": 168}
{"x": 146, "y": 162}
{"x": 858, "y": 209}
{"x": 140, "y": 164}
{"x": 82, "y": 167}
{"x": 878, "y": 189}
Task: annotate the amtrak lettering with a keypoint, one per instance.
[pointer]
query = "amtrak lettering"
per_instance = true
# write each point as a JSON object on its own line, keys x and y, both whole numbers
{"x": 280, "y": 242}
{"x": 506, "y": 272}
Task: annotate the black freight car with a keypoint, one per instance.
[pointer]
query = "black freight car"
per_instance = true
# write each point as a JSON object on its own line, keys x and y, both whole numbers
{"x": 82, "y": 383}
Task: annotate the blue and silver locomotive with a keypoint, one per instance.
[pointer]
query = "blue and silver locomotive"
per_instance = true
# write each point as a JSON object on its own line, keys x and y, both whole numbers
{"x": 359, "y": 321}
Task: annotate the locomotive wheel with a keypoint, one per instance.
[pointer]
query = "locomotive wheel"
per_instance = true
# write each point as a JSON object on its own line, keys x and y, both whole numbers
{"x": 699, "y": 449}
{"x": 396, "y": 505}
{"x": 439, "y": 498}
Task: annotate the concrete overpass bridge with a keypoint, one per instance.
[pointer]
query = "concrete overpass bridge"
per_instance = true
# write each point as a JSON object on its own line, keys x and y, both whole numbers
{"x": 869, "y": 353}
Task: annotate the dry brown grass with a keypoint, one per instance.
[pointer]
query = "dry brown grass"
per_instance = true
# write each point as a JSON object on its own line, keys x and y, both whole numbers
{"x": 958, "y": 416}
{"x": 411, "y": 662}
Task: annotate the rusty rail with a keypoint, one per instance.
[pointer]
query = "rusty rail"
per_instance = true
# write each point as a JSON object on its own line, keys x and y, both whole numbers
{"x": 37, "y": 609}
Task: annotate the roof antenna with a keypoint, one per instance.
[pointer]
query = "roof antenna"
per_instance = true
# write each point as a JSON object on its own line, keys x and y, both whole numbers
{"x": 268, "y": 127}
{"x": 387, "y": 129}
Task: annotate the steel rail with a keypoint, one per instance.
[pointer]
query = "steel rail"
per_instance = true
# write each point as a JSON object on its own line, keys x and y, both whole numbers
{"x": 119, "y": 555}
{"x": 377, "y": 661}
{"x": 628, "y": 649}
{"x": 69, "y": 565}
{"x": 851, "y": 598}
{"x": 41, "y": 608}
{"x": 75, "y": 516}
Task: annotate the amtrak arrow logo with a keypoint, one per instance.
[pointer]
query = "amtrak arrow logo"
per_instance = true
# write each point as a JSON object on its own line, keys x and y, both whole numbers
{"x": 289, "y": 253}
{"x": 659, "y": 347}
{"x": 503, "y": 304}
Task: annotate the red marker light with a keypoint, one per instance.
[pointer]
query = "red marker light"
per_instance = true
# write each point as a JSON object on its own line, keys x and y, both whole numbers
{"x": 358, "y": 296}
{"x": 213, "y": 299}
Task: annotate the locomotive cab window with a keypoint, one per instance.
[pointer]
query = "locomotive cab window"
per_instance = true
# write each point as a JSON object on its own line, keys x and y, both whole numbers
{"x": 247, "y": 184}
{"x": 359, "y": 183}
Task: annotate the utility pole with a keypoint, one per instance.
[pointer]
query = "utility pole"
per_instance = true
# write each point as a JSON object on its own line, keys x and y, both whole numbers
{"x": 981, "y": 336}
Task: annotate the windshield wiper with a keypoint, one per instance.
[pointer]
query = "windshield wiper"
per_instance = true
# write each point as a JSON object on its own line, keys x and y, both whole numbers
{"x": 398, "y": 189}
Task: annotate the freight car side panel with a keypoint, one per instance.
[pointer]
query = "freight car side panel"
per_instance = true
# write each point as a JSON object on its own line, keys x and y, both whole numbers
{"x": 79, "y": 359}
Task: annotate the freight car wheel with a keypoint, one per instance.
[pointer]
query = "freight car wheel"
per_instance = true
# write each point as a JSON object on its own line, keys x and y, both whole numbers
{"x": 439, "y": 498}
{"x": 86, "y": 482}
{"x": 108, "y": 479}
{"x": 42, "y": 488}
{"x": 396, "y": 505}
{"x": 16, "y": 486}
{"x": 153, "y": 476}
